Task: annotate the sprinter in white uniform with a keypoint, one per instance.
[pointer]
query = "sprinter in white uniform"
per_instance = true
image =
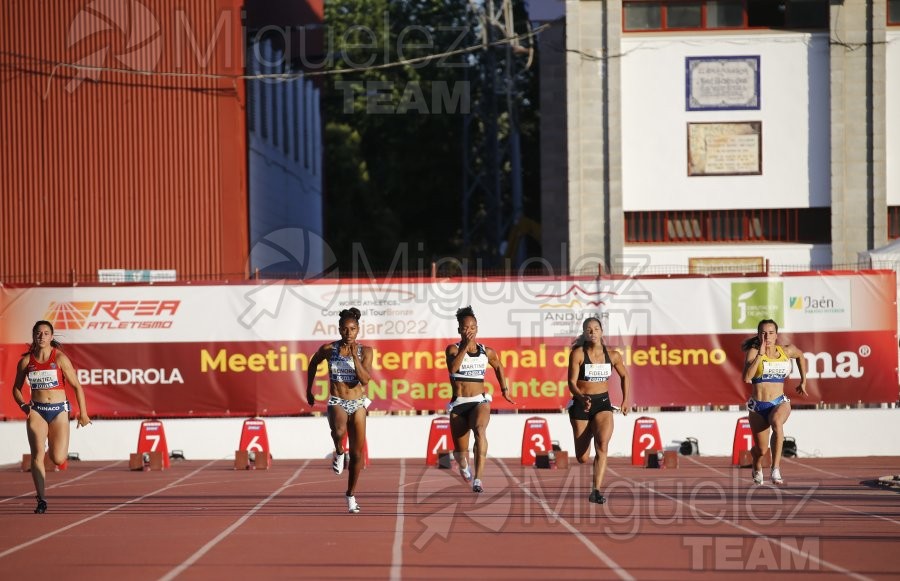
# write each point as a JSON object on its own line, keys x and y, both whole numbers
{"x": 470, "y": 408}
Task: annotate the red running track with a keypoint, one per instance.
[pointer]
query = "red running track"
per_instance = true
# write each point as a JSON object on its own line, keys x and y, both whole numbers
{"x": 203, "y": 520}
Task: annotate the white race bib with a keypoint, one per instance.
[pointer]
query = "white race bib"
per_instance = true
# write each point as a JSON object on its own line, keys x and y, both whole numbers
{"x": 43, "y": 379}
{"x": 597, "y": 371}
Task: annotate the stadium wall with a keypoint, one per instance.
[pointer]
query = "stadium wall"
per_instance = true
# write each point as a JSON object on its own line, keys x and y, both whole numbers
{"x": 819, "y": 433}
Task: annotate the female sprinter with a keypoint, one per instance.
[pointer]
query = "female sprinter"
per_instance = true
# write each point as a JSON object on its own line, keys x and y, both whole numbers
{"x": 349, "y": 366}
{"x": 470, "y": 408}
{"x": 766, "y": 366}
{"x": 590, "y": 411}
{"x": 47, "y": 370}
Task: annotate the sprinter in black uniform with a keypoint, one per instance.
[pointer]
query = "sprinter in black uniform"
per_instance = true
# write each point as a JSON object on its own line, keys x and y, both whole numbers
{"x": 470, "y": 408}
{"x": 590, "y": 411}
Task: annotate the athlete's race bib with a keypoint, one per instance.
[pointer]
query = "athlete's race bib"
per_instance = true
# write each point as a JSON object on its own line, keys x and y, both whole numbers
{"x": 597, "y": 371}
{"x": 43, "y": 379}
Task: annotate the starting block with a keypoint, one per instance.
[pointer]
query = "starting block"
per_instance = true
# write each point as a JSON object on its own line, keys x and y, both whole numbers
{"x": 345, "y": 443}
{"x": 252, "y": 460}
{"x": 652, "y": 458}
{"x": 439, "y": 439}
{"x": 444, "y": 459}
{"x": 670, "y": 459}
{"x": 49, "y": 466}
{"x": 644, "y": 440}
{"x": 554, "y": 460}
{"x": 535, "y": 440}
{"x": 261, "y": 460}
{"x": 152, "y": 440}
{"x": 144, "y": 461}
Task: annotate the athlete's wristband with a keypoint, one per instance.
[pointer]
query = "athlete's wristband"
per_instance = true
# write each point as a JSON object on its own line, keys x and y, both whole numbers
{"x": 25, "y": 407}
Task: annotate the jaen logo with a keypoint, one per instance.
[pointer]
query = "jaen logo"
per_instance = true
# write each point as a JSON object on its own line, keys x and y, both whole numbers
{"x": 93, "y": 29}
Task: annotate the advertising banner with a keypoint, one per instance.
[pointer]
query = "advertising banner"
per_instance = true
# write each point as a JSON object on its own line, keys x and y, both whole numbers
{"x": 171, "y": 350}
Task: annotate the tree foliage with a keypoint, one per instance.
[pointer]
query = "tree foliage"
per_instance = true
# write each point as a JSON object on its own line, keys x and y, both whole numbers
{"x": 394, "y": 160}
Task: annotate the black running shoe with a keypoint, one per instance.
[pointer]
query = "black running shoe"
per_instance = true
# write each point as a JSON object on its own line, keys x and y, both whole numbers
{"x": 596, "y": 497}
{"x": 41, "y": 507}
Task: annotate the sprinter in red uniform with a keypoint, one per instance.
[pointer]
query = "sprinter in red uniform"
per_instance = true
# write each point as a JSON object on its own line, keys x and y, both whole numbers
{"x": 47, "y": 370}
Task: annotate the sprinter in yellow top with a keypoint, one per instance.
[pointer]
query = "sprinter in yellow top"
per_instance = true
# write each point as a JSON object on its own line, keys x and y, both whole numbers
{"x": 766, "y": 367}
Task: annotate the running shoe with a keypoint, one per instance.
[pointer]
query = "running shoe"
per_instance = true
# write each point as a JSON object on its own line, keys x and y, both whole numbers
{"x": 352, "y": 506}
{"x": 476, "y": 485}
{"x": 338, "y": 461}
{"x": 596, "y": 497}
{"x": 466, "y": 474}
{"x": 776, "y": 476}
{"x": 757, "y": 477}
{"x": 41, "y": 507}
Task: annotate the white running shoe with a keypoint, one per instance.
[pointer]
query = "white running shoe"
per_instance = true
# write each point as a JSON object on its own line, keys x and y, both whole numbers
{"x": 338, "y": 461}
{"x": 476, "y": 485}
{"x": 757, "y": 477}
{"x": 776, "y": 476}
{"x": 466, "y": 474}
{"x": 352, "y": 506}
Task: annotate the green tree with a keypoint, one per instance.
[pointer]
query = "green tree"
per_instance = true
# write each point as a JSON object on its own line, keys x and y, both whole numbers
{"x": 394, "y": 132}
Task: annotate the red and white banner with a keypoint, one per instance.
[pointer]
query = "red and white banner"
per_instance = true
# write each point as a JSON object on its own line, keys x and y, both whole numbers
{"x": 243, "y": 350}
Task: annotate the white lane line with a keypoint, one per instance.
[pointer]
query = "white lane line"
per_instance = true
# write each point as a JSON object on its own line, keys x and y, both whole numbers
{"x": 397, "y": 553}
{"x": 46, "y": 536}
{"x": 606, "y": 559}
{"x": 221, "y": 536}
{"x": 784, "y": 546}
{"x": 63, "y": 483}
{"x": 812, "y": 498}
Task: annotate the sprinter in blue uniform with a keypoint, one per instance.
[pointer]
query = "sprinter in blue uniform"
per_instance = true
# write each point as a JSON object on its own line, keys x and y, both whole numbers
{"x": 349, "y": 365}
{"x": 766, "y": 367}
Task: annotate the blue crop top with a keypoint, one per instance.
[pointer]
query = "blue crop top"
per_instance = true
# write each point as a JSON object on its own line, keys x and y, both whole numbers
{"x": 342, "y": 367}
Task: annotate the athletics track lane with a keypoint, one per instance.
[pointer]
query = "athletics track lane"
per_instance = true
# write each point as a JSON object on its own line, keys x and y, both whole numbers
{"x": 203, "y": 520}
